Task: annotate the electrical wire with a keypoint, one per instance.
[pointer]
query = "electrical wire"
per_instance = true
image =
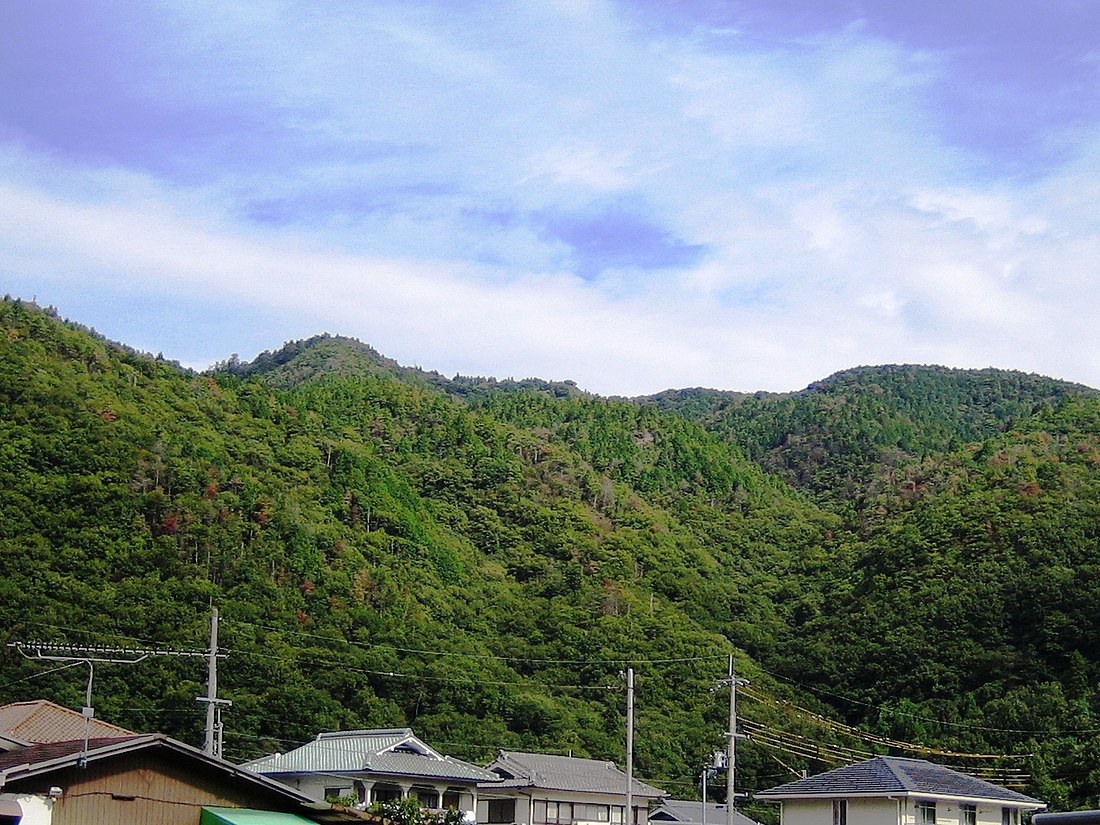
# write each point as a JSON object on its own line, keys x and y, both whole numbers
{"x": 427, "y": 678}
{"x": 444, "y": 653}
{"x": 871, "y": 737}
{"x": 962, "y": 725}
{"x": 43, "y": 673}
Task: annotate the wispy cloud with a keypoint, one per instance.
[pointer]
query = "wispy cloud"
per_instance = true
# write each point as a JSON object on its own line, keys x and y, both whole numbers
{"x": 588, "y": 191}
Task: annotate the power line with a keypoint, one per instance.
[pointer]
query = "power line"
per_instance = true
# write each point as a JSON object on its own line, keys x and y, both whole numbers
{"x": 963, "y": 725}
{"x": 40, "y": 673}
{"x": 428, "y": 678}
{"x": 448, "y": 653}
{"x": 875, "y": 738}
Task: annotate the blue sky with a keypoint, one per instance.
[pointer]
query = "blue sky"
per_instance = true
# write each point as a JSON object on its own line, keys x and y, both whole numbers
{"x": 636, "y": 196}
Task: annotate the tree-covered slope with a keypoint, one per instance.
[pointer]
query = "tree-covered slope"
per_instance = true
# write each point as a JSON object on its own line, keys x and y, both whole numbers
{"x": 381, "y": 552}
{"x": 482, "y": 559}
{"x": 832, "y": 437}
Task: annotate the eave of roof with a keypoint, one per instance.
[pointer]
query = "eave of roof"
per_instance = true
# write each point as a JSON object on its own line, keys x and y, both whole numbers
{"x": 891, "y": 776}
{"x": 40, "y": 759}
{"x": 371, "y": 753}
{"x": 567, "y": 773}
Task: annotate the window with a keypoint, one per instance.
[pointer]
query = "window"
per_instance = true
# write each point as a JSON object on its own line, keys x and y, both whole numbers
{"x": 386, "y": 793}
{"x": 559, "y": 812}
{"x": 840, "y": 812}
{"x": 452, "y": 799}
{"x": 926, "y": 813}
{"x": 1009, "y": 816}
{"x": 337, "y": 793}
{"x": 590, "y": 812}
{"x": 502, "y": 810}
{"x": 616, "y": 815}
{"x": 968, "y": 814}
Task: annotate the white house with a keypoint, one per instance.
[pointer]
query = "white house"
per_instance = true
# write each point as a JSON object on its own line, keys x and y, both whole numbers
{"x": 889, "y": 790}
{"x": 540, "y": 789}
{"x": 376, "y": 766}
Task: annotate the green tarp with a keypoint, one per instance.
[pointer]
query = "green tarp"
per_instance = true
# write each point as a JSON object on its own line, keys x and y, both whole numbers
{"x": 247, "y": 816}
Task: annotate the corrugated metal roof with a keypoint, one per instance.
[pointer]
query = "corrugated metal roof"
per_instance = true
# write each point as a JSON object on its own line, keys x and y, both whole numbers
{"x": 40, "y": 721}
{"x": 566, "y": 773}
{"x": 392, "y": 752}
{"x": 894, "y": 775}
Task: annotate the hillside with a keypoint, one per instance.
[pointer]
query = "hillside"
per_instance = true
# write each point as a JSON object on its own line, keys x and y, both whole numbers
{"x": 481, "y": 560}
{"x": 833, "y": 438}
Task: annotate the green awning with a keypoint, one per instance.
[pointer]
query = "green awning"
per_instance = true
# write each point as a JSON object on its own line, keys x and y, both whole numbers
{"x": 248, "y": 816}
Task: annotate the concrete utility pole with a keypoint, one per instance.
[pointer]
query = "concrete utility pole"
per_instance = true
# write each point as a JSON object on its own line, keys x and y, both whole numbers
{"x": 212, "y": 744}
{"x": 731, "y": 739}
{"x": 628, "y": 814}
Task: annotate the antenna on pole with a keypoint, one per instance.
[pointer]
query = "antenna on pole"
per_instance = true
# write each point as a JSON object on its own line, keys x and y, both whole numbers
{"x": 89, "y": 654}
{"x": 73, "y": 656}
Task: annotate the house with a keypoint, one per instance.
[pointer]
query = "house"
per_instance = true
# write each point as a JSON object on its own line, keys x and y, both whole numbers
{"x": 540, "y": 789}
{"x": 376, "y": 766}
{"x": 691, "y": 812}
{"x": 143, "y": 778}
{"x": 39, "y": 721}
{"x": 889, "y": 790}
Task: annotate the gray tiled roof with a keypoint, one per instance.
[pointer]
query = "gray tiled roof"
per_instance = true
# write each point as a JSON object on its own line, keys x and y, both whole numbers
{"x": 690, "y": 812}
{"x": 371, "y": 752}
{"x": 892, "y": 775}
{"x": 566, "y": 773}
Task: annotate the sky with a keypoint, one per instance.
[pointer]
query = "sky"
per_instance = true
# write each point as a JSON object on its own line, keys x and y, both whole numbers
{"x": 631, "y": 195}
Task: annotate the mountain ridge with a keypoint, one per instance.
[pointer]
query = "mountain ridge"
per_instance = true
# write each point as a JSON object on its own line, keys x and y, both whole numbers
{"x": 480, "y": 559}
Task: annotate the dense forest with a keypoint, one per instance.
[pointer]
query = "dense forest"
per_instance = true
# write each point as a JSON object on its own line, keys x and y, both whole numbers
{"x": 899, "y": 559}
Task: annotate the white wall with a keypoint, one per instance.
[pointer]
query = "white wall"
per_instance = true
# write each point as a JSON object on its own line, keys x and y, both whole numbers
{"x": 36, "y": 810}
{"x": 860, "y": 812}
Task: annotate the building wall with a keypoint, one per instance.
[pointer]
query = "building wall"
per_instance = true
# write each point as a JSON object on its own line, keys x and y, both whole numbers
{"x": 145, "y": 787}
{"x": 882, "y": 811}
{"x": 949, "y": 812}
{"x": 860, "y": 812}
{"x": 525, "y": 801}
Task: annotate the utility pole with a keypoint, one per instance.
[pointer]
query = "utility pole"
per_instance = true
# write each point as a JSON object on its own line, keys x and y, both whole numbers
{"x": 703, "y": 819}
{"x": 731, "y": 738}
{"x": 212, "y": 745}
{"x": 628, "y": 814}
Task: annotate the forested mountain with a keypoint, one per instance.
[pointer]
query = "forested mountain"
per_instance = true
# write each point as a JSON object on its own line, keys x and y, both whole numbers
{"x": 481, "y": 560}
{"x": 842, "y": 434}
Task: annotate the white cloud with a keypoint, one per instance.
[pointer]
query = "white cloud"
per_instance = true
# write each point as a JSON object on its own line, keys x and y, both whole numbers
{"x": 415, "y": 153}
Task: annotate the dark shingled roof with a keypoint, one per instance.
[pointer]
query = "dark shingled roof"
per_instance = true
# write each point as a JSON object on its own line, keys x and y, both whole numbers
{"x": 890, "y": 775}
{"x": 49, "y": 751}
